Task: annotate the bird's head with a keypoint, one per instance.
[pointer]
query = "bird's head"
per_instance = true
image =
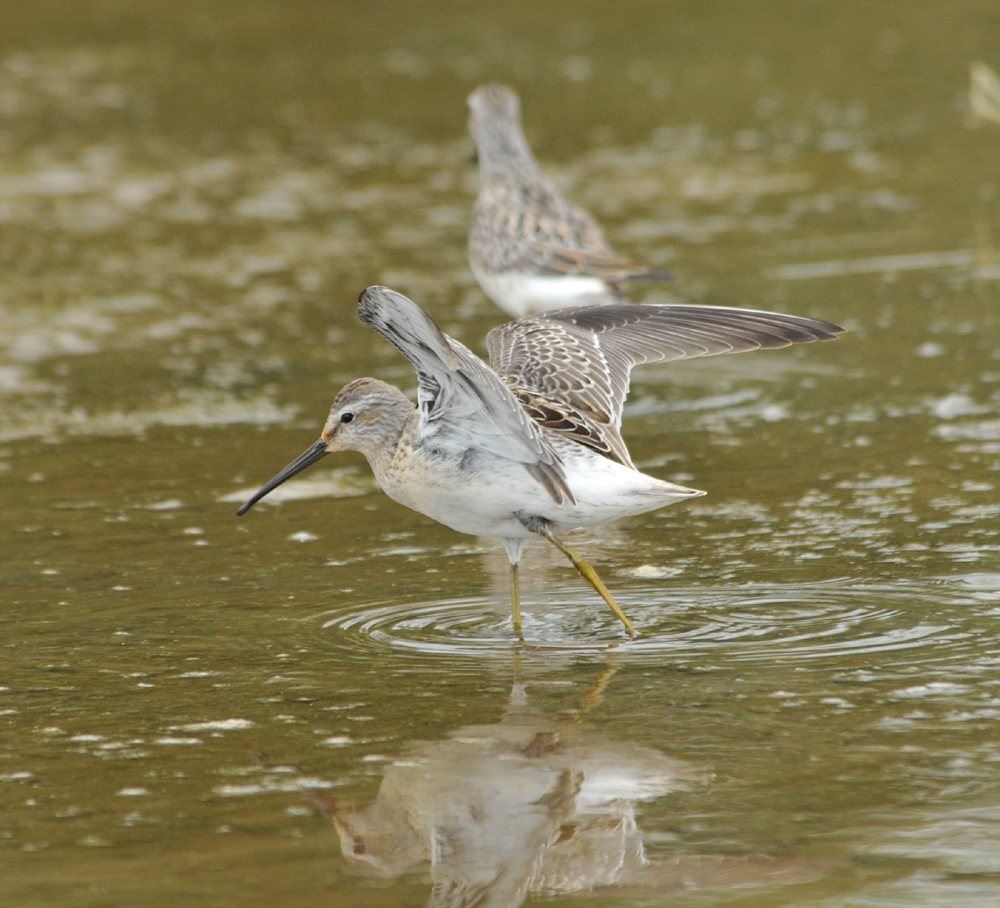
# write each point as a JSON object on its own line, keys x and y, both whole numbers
{"x": 367, "y": 416}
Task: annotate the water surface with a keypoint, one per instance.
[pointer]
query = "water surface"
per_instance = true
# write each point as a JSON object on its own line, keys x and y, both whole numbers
{"x": 323, "y": 702}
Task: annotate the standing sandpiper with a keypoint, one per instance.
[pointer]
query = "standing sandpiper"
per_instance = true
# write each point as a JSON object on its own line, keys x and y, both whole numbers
{"x": 530, "y": 249}
{"x": 528, "y": 445}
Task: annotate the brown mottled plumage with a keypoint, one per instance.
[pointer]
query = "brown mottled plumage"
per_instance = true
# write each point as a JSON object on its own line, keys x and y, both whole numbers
{"x": 529, "y": 248}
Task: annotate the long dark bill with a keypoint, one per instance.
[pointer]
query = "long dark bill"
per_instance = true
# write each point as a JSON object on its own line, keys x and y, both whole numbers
{"x": 307, "y": 459}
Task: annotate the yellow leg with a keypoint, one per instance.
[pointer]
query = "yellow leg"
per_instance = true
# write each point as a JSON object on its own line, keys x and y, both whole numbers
{"x": 515, "y": 598}
{"x": 590, "y": 575}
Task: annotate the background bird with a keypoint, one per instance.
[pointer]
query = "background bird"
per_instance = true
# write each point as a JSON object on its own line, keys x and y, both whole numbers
{"x": 529, "y": 248}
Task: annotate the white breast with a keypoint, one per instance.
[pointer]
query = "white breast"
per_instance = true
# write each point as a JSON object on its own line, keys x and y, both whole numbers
{"x": 488, "y": 503}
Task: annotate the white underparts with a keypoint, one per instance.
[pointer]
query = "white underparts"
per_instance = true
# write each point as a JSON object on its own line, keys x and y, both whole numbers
{"x": 524, "y": 294}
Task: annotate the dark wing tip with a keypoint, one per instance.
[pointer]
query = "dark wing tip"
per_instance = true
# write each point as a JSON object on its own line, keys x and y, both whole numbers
{"x": 795, "y": 328}
{"x": 378, "y": 306}
{"x": 830, "y": 328}
{"x": 369, "y": 302}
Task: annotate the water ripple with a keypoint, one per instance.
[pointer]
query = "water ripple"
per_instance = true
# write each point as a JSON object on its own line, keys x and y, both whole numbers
{"x": 772, "y": 623}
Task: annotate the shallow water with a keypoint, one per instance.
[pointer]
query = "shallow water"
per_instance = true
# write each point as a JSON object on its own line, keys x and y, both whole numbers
{"x": 308, "y": 704}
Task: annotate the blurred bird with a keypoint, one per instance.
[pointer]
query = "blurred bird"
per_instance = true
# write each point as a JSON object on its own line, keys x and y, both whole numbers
{"x": 529, "y": 248}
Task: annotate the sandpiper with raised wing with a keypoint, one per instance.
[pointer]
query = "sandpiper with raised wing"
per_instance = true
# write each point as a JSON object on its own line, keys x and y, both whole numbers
{"x": 528, "y": 445}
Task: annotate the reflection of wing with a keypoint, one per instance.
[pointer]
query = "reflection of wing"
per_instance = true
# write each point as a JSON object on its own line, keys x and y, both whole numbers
{"x": 490, "y": 858}
{"x": 581, "y": 358}
{"x": 595, "y": 849}
{"x": 464, "y": 405}
{"x": 525, "y": 805}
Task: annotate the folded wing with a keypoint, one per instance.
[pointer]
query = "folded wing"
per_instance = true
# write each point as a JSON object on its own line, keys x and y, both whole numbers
{"x": 551, "y": 258}
{"x": 536, "y": 231}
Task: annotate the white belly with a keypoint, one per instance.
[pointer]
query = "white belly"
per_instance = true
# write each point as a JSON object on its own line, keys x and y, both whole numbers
{"x": 490, "y": 503}
{"x": 524, "y": 294}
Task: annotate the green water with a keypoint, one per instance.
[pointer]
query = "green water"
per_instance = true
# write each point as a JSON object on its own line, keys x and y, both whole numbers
{"x": 203, "y": 710}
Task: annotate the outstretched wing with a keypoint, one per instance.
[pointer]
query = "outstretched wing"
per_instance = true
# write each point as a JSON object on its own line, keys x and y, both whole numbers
{"x": 581, "y": 357}
{"x": 464, "y": 405}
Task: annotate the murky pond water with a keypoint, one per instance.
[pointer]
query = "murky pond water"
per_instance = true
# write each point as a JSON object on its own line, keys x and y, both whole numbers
{"x": 322, "y": 703}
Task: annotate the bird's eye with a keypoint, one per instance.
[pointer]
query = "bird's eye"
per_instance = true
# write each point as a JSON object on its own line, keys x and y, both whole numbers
{"x": 346, "y": 417}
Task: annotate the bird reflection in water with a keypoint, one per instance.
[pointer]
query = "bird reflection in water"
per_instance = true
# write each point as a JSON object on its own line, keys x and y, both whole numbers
{"x": 531, "y": 805}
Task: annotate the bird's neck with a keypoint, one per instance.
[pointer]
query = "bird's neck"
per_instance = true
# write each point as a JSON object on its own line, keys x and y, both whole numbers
{"x": 504, "y": 156}
{"x": 381, "y": 442}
